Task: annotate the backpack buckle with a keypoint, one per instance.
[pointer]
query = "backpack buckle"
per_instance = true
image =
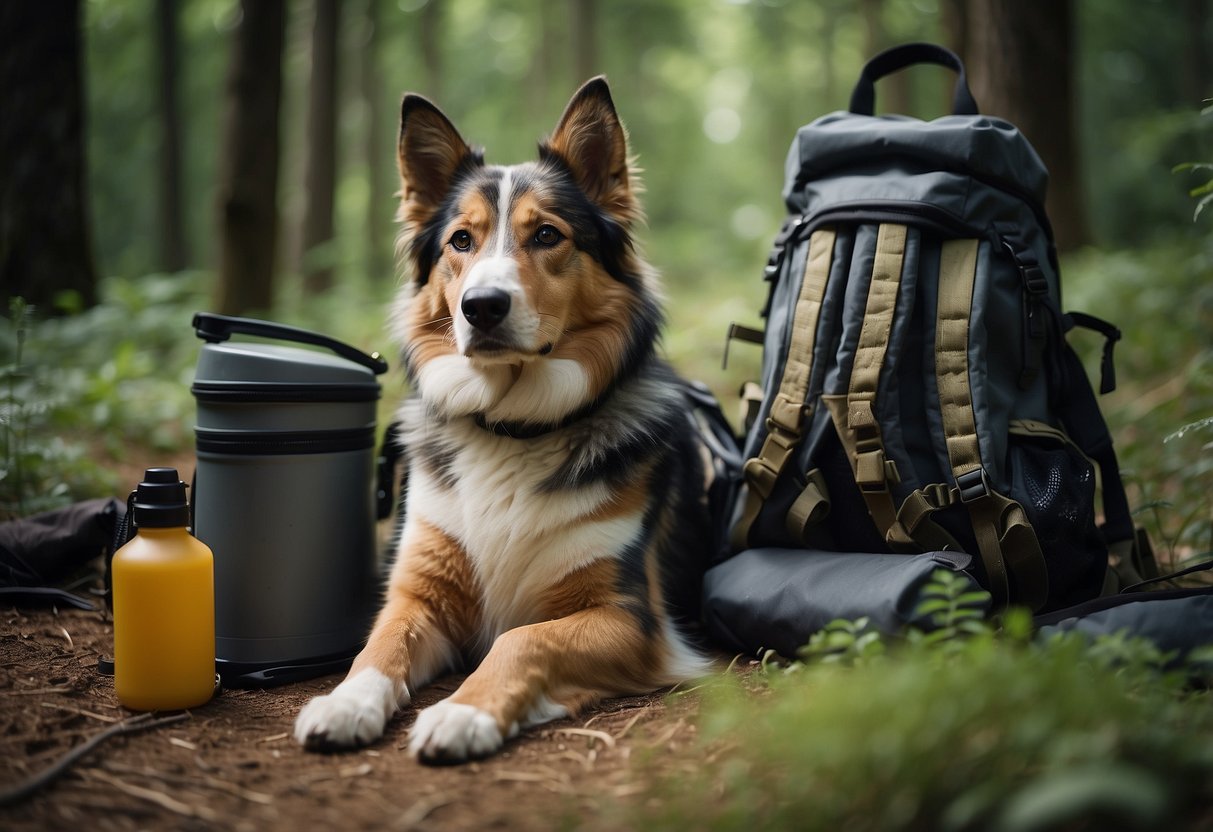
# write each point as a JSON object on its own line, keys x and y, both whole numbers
{"x": 973, "y": 485}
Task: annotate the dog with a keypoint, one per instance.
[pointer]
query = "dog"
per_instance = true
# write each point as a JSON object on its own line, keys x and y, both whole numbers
{"x": 555, "y": 525}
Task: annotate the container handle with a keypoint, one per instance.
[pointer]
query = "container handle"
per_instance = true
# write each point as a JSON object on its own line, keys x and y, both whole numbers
{"x": 214, "y": 329}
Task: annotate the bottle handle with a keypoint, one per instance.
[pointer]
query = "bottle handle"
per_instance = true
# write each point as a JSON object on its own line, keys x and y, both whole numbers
{"x": 214, "y": 329}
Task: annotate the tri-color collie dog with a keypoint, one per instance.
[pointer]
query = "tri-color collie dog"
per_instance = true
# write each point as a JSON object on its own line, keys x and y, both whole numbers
{"x": 555, "y": 529}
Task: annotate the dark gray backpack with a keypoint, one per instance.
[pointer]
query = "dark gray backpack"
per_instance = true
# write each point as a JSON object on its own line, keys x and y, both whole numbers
{"x": 917, "y": 390}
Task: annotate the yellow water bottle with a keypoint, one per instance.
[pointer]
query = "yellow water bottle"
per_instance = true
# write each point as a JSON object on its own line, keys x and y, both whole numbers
{"x": 164, "y": 602}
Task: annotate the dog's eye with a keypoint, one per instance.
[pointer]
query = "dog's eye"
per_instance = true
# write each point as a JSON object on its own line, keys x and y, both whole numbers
{"x": 547, "y": 235}
{"x": 461, "y": 240}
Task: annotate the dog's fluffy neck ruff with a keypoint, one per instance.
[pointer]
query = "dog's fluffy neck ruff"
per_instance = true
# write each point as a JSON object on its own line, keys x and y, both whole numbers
{"x": 524, "y": 401}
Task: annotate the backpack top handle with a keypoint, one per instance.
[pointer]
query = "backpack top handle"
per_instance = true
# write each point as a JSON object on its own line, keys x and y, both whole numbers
{"x": 863, "y": 98}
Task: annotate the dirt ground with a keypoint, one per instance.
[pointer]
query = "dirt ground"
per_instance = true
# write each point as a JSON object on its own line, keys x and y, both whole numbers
{"x": 232, "y": 763}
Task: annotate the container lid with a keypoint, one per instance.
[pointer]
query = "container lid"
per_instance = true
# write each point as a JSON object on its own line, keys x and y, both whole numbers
{"x": 159, "y": 501}
{"x": 246, "y": 371}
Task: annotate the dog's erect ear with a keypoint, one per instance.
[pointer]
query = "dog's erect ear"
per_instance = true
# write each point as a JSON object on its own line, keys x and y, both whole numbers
{"x": 593, "y": 143}
{"x": 429, "y": 152}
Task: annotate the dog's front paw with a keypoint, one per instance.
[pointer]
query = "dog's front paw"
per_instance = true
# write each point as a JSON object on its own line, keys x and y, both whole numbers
{"x": 453, "y": 733}
{"x": 354, "y": 714}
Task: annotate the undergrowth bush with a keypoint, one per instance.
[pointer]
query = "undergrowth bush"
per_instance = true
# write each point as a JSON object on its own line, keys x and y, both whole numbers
{"x": 972, "y": 729}
{"x": 1159, "y": 416}
{"x": 82, "y": 390}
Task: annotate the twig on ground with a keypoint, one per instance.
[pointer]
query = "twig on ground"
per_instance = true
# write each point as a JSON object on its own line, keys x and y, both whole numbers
{"x": 668, "y": 734}
{"x": 152, "y": 796}
{"x": 631, "y": 723}
{"x": 37, "y": 691}
{"x": 99, "y": 717}
{"x": 552, "y": 781}
{"x": 216, "y": 783}
{"x": 139, "y": 723}
{"x": 422, "y": 809}
{"x": 606, "y": 738}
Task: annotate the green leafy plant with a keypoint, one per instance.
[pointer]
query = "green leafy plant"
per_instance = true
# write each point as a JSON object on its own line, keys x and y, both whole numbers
{"x": 80, "y": 391}
{"x": 1203, "y": 192}
{"x": 981, "y": 727}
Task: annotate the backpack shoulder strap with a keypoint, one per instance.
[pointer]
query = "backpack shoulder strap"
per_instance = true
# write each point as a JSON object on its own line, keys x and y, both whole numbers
{"x": 786, "y": 419}
{"x": 1007, "y": 544}
{"x": 855, "y": 415}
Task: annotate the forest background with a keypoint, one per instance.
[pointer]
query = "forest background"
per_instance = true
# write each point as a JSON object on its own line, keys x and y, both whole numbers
{"x": 165, "y": 157}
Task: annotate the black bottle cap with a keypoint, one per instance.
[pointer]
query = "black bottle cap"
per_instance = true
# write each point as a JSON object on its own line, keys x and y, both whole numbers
{"x": 160, "y": 501}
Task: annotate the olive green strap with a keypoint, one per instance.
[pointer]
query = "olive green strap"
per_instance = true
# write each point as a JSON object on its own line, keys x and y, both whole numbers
{"x": 1005, "y": 539}
{"x": 784, "y": 423}
{"x": 810, "y": 507}
{"x": 855, "y": 416}
{"x": 916, "y": 518}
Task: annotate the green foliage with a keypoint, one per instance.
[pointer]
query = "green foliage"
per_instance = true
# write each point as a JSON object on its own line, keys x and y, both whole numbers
{"x": 981, "y": 729}
{"x": 23, "y": 410}
{"x": 80, "y": 393}
{"x": 953, "y": 608}
{"x": 844, "y": 642}
{"x": 82, "y": 390}
{"x": 1203, "y": 192}
{"x": 1162, "y": 299}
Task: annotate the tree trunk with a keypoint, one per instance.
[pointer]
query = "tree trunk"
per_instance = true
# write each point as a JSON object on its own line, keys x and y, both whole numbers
{"x": 45, "y": 242}
{"x": 893, "y": 94}
{"x": 583, "y": 20}
{"x": 954, "y": 15}
{"x": 429, "y": 35}
{"x": 1195, "y": 58}
{"x": 173, "y": 252}
{"x": 248, "y": 174}
{"x": 1022, "y": 69}
{"x": 320, "y": 172}
{"x": 380, "y": 167}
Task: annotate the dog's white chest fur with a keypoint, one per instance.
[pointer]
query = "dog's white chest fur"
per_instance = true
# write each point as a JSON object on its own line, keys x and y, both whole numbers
{"x": 520, "y": 537}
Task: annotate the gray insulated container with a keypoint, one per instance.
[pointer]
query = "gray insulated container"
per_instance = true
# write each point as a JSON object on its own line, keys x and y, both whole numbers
{"x": 284, "y": 496}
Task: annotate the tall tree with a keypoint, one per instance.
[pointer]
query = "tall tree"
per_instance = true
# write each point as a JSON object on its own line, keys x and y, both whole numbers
{"x": 429, "y": 40}
{"x": 320, "y": 171}
{"x": 895, "y": 89}
{"x": 248, "y": 173}
{"x": 1022, "y": 65}
{"x": 1197, "y": 67}
{"x": 583, "y": 21}
{"x": 173, "y": 252}
{"x": 45, "y": 243}
{"x": 379, "y": 167}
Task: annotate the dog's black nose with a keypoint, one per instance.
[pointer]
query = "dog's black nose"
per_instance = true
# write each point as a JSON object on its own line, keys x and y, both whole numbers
{"x": 484, "y": 308}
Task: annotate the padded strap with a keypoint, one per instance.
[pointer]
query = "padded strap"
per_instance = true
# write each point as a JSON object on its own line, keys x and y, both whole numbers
{"x": 855, "y": 418}
{"x": 786, "y": 418}
{"x": 1005, "y": 539}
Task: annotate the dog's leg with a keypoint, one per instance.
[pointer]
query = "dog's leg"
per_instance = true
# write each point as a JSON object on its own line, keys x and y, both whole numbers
{"x": 539, "y": 672}
{"x": 427, "y": 615}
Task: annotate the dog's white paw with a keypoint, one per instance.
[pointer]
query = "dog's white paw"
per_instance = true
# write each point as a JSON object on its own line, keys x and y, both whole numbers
{"x": 354, "y": 714}
{"x": 450, "y": 732}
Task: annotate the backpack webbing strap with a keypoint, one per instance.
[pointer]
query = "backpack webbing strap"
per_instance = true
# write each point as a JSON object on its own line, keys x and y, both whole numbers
{"x": 916, "y": 517}
{"x": 1005, "y": 539}
{"x": 855, "y": 418}
{"x": 785, "y": 421}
